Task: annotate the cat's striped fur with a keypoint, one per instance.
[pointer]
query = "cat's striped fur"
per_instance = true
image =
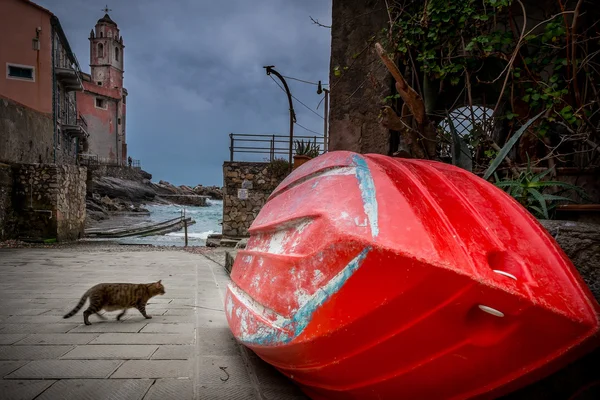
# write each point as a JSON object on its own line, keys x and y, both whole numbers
{"x": 117, "y": 296}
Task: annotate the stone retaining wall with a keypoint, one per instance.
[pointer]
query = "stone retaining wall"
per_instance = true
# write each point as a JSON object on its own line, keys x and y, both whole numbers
{"x": 114, "y": 171}
{"x": 49, "y": 201}
{"x": 261, "y": 179}
{"x": 6, "y": 214}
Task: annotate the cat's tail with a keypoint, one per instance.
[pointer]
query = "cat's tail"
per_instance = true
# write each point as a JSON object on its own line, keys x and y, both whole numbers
{"x": 79, "y": 305}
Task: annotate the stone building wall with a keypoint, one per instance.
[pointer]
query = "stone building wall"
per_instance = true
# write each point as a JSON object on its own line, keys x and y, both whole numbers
{"x": 27, "y": 136}
{"x": 357, "y": 93}
{"x": 49, "y": 201}
{"x": 6, "y": 214}
{"x": 70, "y": 206}
{"x": 238, "y": 214}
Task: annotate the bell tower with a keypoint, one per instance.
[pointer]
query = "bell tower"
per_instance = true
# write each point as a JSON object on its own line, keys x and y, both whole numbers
{"x": 106, "y": 53}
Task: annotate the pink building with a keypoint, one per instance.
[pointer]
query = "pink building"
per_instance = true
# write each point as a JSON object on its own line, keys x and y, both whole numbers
{"x": 103, "y": 102}
{"x": 39, "y": 122}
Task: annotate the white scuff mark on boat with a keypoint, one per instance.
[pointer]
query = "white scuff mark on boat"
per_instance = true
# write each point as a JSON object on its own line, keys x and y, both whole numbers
{"x": 317, "y": 278}
{"x": 229, "y": 306}
{"x": 255, "y": 281}
{"x": 302, "y": 297}
{"x": 344, "y": 215}
{"x": 283, "y": 241}
{"x": 368, "y": 194}
{"x": 247, "y": 259}
{"x": 357, "y": 222}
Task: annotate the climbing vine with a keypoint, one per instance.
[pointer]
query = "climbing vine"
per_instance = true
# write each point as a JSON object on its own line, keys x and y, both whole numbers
{"x": 517, "y": 57}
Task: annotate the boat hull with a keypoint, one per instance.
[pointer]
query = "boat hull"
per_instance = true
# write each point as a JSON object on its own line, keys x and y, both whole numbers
{"x": 369, "y": 277}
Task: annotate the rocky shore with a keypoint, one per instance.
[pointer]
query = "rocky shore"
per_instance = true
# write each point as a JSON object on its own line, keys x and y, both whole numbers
{"x": 121, "y": 190}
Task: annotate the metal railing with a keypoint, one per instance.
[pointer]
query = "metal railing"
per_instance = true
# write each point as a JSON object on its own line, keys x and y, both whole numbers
{"x": 93, "y": 159}
{"x": 83, "y": 123}
{"x": 270, "y": 145}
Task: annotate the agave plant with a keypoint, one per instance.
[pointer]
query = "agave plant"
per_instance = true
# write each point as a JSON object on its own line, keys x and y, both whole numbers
{"x": 302, "y": 148}
{"x": 528, "y": 189}
{"x": 307, "y": 149}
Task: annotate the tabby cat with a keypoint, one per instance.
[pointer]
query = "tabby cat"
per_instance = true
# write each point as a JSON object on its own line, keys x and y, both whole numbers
{"x": 117, "y": 296}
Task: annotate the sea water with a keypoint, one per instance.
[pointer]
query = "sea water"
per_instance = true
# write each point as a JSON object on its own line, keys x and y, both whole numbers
{"x": 208, "y": 221}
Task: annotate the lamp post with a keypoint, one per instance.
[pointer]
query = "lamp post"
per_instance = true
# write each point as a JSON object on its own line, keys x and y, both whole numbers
{"x": 320, "y": 90}
{"x": 270, "y": 70}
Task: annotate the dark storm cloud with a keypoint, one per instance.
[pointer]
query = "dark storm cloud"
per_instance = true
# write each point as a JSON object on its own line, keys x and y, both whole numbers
{"x": 194, "y": 72}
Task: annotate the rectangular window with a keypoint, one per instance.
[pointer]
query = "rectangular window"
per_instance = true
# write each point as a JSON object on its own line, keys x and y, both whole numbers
{"x": 99, "y": 83}
{"x": 101, "y": 103}
{"x": 119, "y": 121}
{"x": 20, "y": 72}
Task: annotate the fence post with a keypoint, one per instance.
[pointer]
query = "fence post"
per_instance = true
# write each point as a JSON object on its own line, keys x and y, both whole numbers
{"x": 185, "y": 230}
{"x": 272, "y": 148}
{"x": 231, "y": 147}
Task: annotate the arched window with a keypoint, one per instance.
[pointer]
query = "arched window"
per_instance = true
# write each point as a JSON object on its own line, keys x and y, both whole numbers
{"x": 117, "y": 53}
{"x": 101, "y": 34}
{"x": 100, "y": 52}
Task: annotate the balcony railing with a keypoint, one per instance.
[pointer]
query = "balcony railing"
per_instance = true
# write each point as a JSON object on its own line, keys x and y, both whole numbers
{"x": 87, "y": 159}
{"x": 267, "y": 146}
{"x": 77, "y": 128}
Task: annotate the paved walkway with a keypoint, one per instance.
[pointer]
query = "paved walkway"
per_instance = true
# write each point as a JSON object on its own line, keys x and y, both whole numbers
{"x": 184, "y": 352}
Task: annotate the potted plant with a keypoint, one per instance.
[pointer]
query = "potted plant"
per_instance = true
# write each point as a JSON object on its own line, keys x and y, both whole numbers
{"x": 304, "y": 152}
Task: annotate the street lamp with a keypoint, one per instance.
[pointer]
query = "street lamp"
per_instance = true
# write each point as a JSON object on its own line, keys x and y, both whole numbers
{"x": 270, "y": 70}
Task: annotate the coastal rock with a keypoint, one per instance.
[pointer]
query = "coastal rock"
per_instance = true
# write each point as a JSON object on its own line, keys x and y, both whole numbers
{"x": 214, "y": 192}
{"x": 133, "y": 191}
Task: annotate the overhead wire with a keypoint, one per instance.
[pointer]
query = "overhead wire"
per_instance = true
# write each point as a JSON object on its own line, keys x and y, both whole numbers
{"x": 309, "y": 130}
{"x": 298, "y": 100}
{"x": 303, "y": 81}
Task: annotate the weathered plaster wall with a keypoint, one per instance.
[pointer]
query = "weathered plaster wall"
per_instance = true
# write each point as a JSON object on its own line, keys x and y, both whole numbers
{"x": 18, "y": 23}
{"x": 239, "y": 214}
{"x": 356, "y": 95}
{"x": 102, "y": 123}
{"x": 49, "y": 201}
{"x": 26, "y": 135}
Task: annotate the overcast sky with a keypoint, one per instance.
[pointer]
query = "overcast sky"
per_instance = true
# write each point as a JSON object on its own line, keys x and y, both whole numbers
{"x": 194, "y": 73}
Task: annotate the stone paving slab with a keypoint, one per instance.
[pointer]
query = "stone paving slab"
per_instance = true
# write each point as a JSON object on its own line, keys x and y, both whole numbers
{"x": 171, "y": 389}
{"x": 129, "y": 326}
{"x": 58, "y": 369}
{"x": 11, "y": 338}
{"x": 23, "y": 390}
{"x": 223, "y": 371}
{"x": 110, "y": 352}
{"x": 143, "y": 338}
{"x": 177, "y": 352}
{"x": 229, "y": 393}
{"x": 6, "y": 367}
{"x": 37, "y": 328}
{"x": 154, "y": 369}
{"x": 58, "y": 338}
{"x": 168, "y": 328}
{"x": 186, "y": 351}
{"x": 98, "y": 389}
{"x": 32, "y": 352}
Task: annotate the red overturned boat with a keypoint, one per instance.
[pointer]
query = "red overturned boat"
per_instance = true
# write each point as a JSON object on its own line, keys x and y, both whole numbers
{"x": 371, "y": 277}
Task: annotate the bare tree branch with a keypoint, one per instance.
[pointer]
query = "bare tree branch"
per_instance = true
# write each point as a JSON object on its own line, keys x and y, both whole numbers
{"x": 316, "y": 22}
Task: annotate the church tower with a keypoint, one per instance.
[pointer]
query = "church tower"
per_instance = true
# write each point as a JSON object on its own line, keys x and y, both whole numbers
{"x": 103, "y": 104}
{"x": 106, "y": 54}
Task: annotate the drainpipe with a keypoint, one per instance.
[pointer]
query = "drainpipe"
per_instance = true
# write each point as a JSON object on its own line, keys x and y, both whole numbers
{"x": 117, "y": 130}
{"x": 53, "y": 96}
